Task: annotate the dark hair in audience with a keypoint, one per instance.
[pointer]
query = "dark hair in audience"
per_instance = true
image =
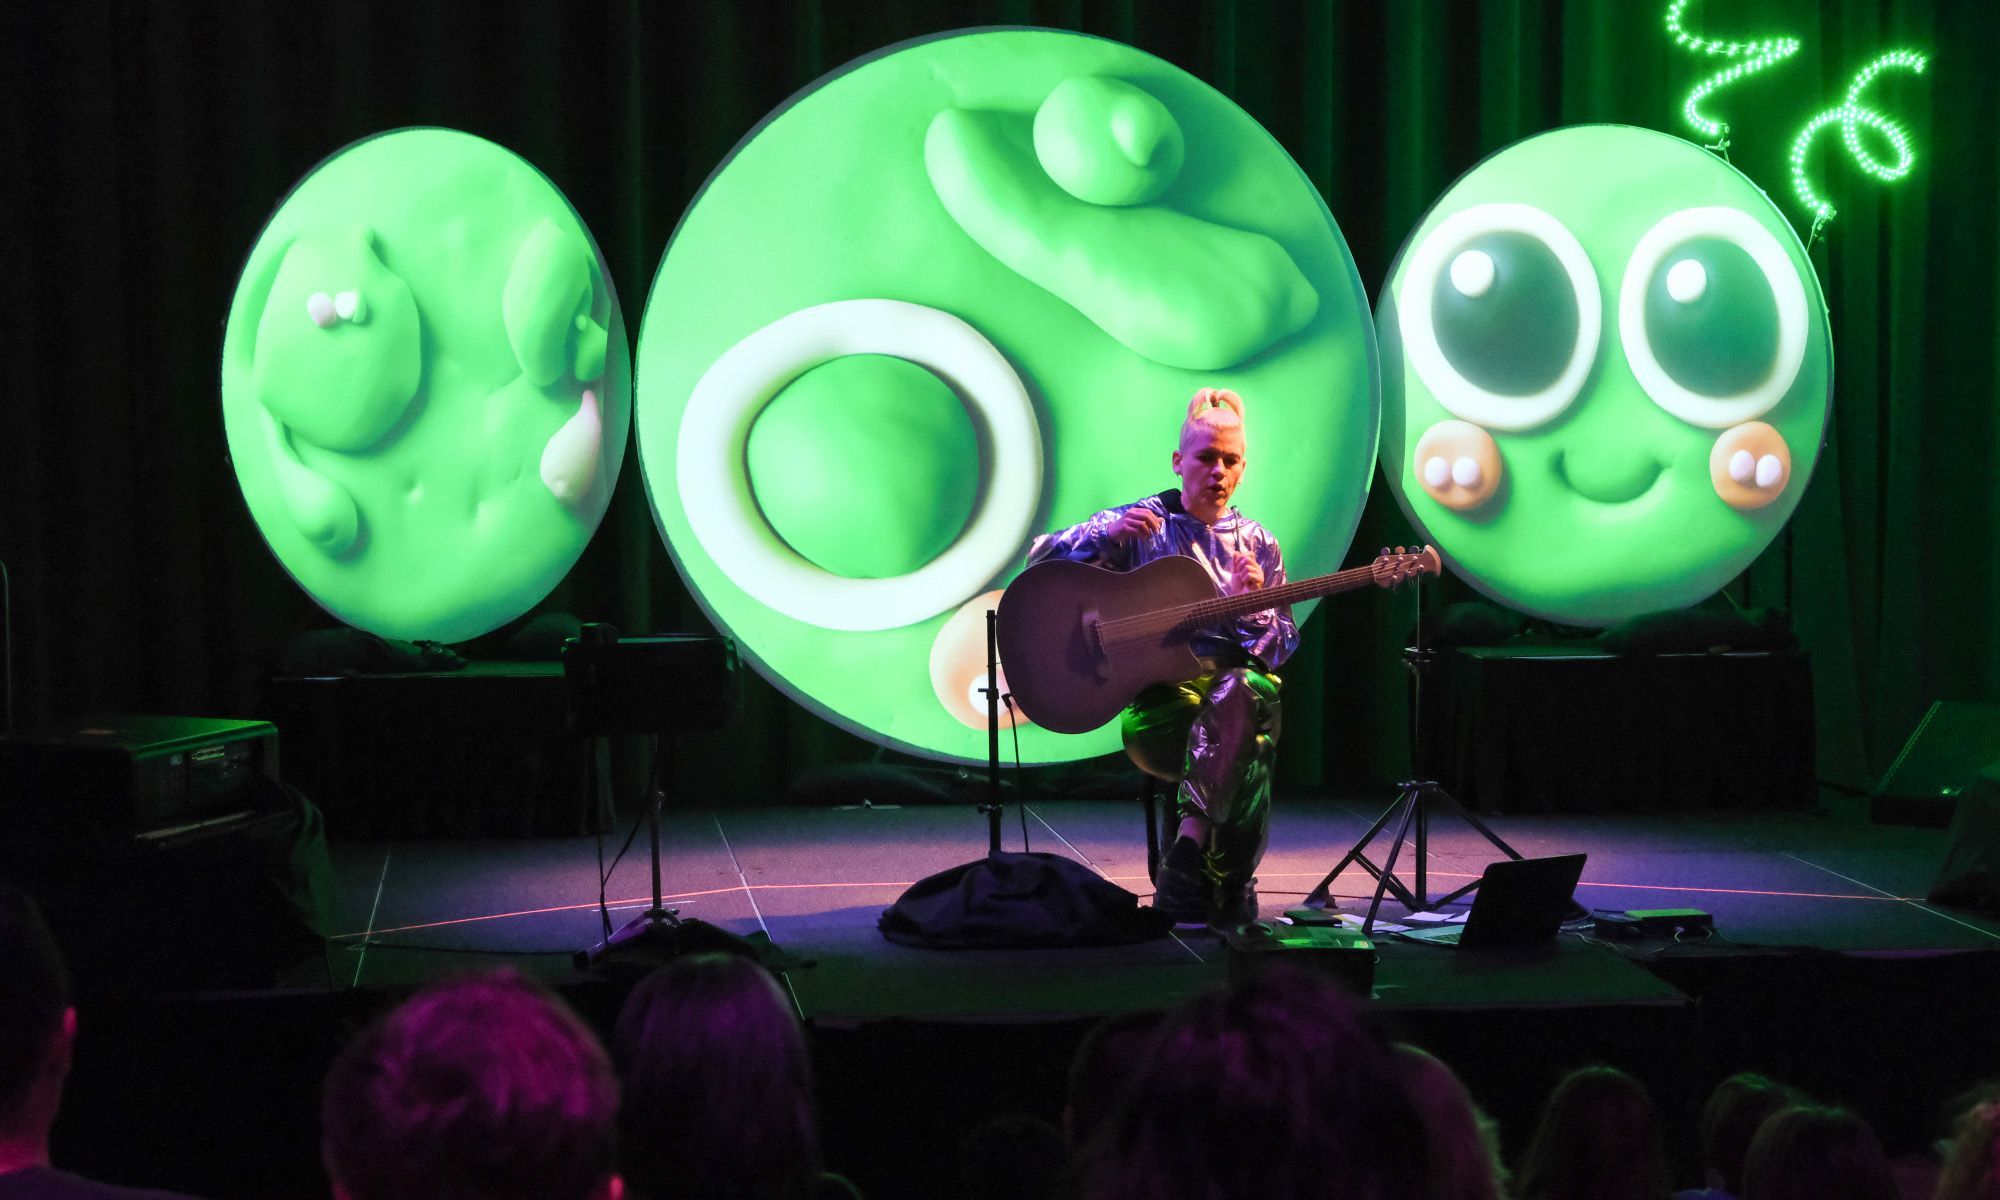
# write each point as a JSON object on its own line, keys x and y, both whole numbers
{"x": 34, "y": 994}
{"x": 1972, "y": 1165}
{"x": 1464, "y": 1146}
{"x": 1811, "y": 1152}
{"x": 718, "y": 1089}
{"x": 1735, "y": 1110}
{"x": 1011, "y": 1158}
{"x": 1598, "y": 1139}
{"x": 1274, "y": 1088}
{"x": 484, "y": 1087}
{"x": 1102, "y": 1065}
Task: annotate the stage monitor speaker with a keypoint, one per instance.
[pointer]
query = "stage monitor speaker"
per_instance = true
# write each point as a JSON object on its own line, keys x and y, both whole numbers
{"x": 1970, "y": 874}
{"x": 1952, "y": 744}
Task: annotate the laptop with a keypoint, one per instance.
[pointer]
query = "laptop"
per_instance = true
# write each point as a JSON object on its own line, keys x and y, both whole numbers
{"x": 1519, "y": 903}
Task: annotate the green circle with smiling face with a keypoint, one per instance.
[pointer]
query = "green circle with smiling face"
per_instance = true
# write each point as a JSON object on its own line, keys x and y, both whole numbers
{"x": 1060, "y": 235}
{"x": 425, "y": 385}
{"x": 1607, "y": 374}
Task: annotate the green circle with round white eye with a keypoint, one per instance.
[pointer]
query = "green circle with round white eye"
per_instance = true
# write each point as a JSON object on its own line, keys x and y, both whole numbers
{"x": 1507, "y": 319}
{"x": 425, "y": 385}
{"x": 1065, "y": 236}
{"x": 1662, "y": 463}
{"x": 1710, "y": 317}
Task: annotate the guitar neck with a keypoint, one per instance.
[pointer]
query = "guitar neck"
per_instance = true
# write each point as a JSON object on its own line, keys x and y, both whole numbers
{"x": 1223, "y": 608}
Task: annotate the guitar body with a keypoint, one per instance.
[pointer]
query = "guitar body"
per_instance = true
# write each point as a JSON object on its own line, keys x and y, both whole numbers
{"x": 1063, "y": 673}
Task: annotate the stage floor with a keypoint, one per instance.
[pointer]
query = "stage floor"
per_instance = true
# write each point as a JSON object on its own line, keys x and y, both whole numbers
{"x": 815, "y": 880}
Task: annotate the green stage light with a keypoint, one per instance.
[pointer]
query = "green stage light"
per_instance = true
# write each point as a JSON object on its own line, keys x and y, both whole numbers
{"x": 1750, "y": 57}
{"x": 954, "y": 295}
{"x": 1606, "y": 374}
{"x": 425, "y": 385}
{"x": 1851, "y": 116}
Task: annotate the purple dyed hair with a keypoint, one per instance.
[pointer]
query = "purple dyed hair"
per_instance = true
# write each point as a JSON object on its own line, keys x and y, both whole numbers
{"x": 718, "y": 1088}
{"x": 1276, "y": 1089}
{"x": 485, "y": 1087}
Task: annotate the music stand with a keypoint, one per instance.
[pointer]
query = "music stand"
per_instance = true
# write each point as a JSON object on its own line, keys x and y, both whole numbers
{"x": 660, "y": 686}
{"x": 1417, "y": 801}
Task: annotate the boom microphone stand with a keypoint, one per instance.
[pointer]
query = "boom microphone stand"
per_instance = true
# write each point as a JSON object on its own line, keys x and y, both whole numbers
{"x": 1418, "y": 801}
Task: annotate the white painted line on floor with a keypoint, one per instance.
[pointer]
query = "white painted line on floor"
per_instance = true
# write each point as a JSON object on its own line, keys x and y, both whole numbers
{"x": 747, "y": 889}
{"x": 362, "y": 956}
{"x": 1919, "y": 905}
{"x": 1174, "y": 934}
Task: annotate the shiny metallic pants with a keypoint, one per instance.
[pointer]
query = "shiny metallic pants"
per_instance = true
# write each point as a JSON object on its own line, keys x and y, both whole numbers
{"x": 1217, "y": 735}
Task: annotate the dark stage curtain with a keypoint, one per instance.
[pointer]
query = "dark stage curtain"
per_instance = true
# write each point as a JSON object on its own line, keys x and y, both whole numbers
{"x": 147, "y": 142}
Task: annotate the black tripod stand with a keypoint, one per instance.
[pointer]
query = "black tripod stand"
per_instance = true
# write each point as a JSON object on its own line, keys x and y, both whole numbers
{"x": 1418, "y": 801}
{"x": 661, "y": 686}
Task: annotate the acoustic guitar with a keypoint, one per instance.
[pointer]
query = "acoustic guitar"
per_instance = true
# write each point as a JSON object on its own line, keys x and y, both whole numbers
{"x": 1078, "y": 642}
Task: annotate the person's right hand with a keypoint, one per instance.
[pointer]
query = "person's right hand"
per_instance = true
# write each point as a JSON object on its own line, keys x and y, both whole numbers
{"x": 1135, "y": 524}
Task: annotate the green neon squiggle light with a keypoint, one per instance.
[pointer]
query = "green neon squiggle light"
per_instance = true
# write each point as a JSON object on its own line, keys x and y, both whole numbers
{"x": 1751, "y": 57}
{"x": 1852, "y": 115}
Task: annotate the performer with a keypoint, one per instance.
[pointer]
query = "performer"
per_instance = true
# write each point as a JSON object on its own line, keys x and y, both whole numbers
{"x": 1217, "y": 733}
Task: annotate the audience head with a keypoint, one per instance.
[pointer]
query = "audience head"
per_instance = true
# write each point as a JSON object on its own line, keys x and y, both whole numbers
{"x": 1103, "y": 1063}
{"x": 1599, "y": 1136}
{"x": 1737, "y": 1107}
{"x": 1011, "y": 1158}
{"x": 37, "y": 1024}
{"x": 1464, "y": 1151}
{"x": 1972, "y": 1163}
{"x": 1274, "y": 1088}
{"x": 718, "y": 1089}
{"x": 1811, "y": 1152}
{"x": 480, "y": 1088}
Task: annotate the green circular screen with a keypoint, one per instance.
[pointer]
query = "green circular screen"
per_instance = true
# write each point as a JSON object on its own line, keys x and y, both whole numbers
{"x": 958, "y": 294}
{"x": 1606, "y": 374}
{"x": 425, "y": 385}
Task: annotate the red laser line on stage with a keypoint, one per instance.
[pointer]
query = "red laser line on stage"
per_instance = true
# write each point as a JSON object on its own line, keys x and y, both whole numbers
{"x": 779, "y": 887}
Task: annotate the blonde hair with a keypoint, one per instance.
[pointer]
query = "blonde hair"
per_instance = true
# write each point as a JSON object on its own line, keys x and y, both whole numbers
{"x": 1212, "y": 408}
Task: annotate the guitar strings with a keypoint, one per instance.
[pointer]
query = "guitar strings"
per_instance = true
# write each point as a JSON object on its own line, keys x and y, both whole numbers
{"x": 1151, "y": 624}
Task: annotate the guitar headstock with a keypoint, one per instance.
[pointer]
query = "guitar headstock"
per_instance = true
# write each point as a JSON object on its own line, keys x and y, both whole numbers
{"x": 1392, "y": 567}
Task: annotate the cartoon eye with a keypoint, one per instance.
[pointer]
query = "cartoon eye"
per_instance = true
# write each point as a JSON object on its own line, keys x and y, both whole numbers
{"x": 1712, "y": 315}
{"x": 1501, "y": 315}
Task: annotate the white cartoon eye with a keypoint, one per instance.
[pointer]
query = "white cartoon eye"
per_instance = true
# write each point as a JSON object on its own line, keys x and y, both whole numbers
{"x": 1501, "y": 315}
{"x": 1712, "y": 316}
{"x": 347, "y": 305}
{"x": 319, "y": 306}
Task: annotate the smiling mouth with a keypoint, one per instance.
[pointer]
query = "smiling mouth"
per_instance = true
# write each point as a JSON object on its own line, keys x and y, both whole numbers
{"x": 1622, "y": 484}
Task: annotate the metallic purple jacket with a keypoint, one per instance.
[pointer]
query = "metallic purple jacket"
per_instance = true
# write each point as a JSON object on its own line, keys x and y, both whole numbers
{"x": 1269, "y": 636}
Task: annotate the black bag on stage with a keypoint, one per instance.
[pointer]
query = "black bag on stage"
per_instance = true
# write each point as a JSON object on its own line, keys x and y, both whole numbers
{"x": 1018, "y": 901}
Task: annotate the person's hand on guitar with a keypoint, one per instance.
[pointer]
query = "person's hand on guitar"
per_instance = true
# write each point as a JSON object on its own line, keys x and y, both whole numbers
{"x": 1137, "y": 523}
{"x": 1246, "y": 574}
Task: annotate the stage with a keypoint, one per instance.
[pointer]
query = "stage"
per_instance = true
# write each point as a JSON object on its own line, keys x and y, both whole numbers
{"x": 1823, "y": 946}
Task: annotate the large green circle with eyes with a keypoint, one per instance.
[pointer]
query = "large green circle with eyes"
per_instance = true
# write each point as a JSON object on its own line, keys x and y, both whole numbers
{"x": 425, "y": 385}
{"x": 1607, "y": 374}
{"x": 957, "y": 294}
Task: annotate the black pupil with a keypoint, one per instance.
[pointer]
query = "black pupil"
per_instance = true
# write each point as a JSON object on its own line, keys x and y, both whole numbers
{"x": 1516, "y": 335}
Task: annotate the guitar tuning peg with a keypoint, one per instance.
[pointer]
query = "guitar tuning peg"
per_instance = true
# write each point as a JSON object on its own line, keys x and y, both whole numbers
{"x": 1382, "y": 551}
{"x": 1400, "y": 550}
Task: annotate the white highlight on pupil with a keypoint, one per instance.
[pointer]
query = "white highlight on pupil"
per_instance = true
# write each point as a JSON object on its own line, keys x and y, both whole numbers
{"x": 1472, "y": 273}
{"x": 1465, "y": 473}
{"x": 319, "y": 306}
{"x": 1686, "y": 281}
{"x": 1437, "y": 472}
{"x": 1742, "y": 465}
{"x": 1768, "y": 470}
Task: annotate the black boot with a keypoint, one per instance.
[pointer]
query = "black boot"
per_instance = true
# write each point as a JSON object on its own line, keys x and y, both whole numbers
{"x": 1235, "y": 905}
{"x": 1180, "y": 890}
